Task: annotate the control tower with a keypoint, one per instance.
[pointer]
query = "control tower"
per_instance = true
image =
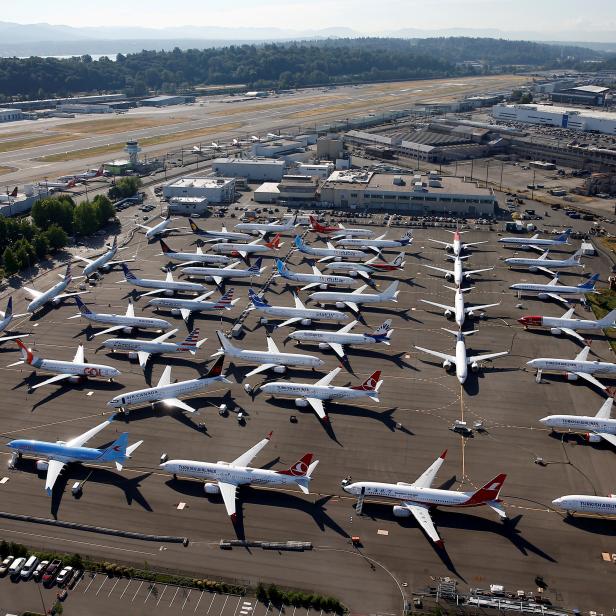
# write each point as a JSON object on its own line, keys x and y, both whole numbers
{"x": 132, "y": 149}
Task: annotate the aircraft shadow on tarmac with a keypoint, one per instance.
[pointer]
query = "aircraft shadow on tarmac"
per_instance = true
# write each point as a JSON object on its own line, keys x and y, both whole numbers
{"x": 265, "y": 498}
{"x": 587, "y": 336}
{"x": 595, "y": 525}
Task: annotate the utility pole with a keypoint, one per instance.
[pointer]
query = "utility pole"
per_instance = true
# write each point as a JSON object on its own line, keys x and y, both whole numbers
{"x": 532, "y": 190}
{"x": 500, "y": 187}
{"x": 487, "y": 171}
{"x": 472, "y": 165}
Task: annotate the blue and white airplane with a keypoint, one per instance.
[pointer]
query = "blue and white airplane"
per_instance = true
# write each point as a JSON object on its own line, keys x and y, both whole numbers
{"x": 555, "y": 291}
{"x": 316, "y": 279}
{"x": 167, "y": 286}
{"x": 54, "y": 295}
{"x": 60, "y": 453}
{"x": 7, "y": 317}
{"x": 328, "y": 253}
{"x": 219, "y": 274}
{"x": 535, "y": 242}
{"x": 104, "y": 262}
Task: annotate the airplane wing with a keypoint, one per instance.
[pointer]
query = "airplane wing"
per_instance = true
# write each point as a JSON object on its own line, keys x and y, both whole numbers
{"x": 53, "y": 472}
{"x": 248, "y": 456}
{"x": 179, "y": 404}
{"x": 328, "y": 378}
{"x": 261, "y": 368}
{"x": 6, "y": 338}
{"x": 583, "y": 354}
{"x": 290, "y": 321}
{"x": 610, "y": 438}
{"x": 475, "y": 243}
{"x": 427, "y": 477}
{"x": 439, "y": 242}
{"x": 109, "y": 330}
{"x": 166, "y": 335}
{"x": 591, "y": 379}
{"x": 227, "y": 491}
{"x": 425, "y": 301}
{"x": 547, "y": 271}
{"x": 130, "y": 309}
{"x": 32, "y": 292}
{"x": 153, "y": 292}
{"x": 82, "y": 439}
{"x": 143, "y": 226}
{"x": 352, "y": 306}
{"x": 468, "y": 309}
{"x": 439, "y": 269}
{"x": 53, "y": 379}
{"x": 122, "y": 261}
{"x": 364, "y": 275}
{"x": 485, "y": 357}
{"x": 477, "y": 271}
{"x": 185, "y": 313}
{"x": 218, "y": 279}
{"x": 298, "y": 302}
{"x": 79, "y": 355}
{"x": 558, "y": 298}
{"x": 310, "y": 285}
{"x": 317, "y": 405}
{"x": 572, "y": 333}
{"x": 347, "y": 328}
{"x": 337, "y": 348}
{"x": 422, "y": 514}
{"x": 442, "y": 356}
{"x": 84, "y": 259}
{"x": 143, "y": 358}
{"x": 324, "y": 259}
{"x": 165, "y": 378}
{"x": 271, "y": 346}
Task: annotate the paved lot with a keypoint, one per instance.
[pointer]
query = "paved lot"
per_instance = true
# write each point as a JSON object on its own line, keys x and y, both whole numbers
{"x": 394, "y": 440}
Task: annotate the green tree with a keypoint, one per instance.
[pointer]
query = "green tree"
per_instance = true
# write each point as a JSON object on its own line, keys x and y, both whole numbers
{"x": 22, "y": 254}
{"x": 104, "y": 209}
{"x": 56, "y": 237}
{"x": 125, "y": 187}
{"x": 40, "y": 243}
{"x": 85, "y": 219}
{"x": 58, "y": 210}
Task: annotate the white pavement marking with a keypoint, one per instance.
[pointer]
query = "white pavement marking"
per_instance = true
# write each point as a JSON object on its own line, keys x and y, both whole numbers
{"x": 200, "y": 597}
{"x": 152, "y": 587}
{"x": 225, "y": 603}
{"x": 238, "y": 604}
{"x": 185, "y": 600}
{"x": 294, "y": 609}
{"x": 113, "y": 587}
{"x": 176, "y": 592}
{"x": 79, "y": 581}
{"x": 99, "y": 588}
{"x": 211, "y": 602}
{"x": 129, "y": 583}
{"x": 138, "y": 589}
{"x": 90, "y": 584}
{"x": 161, "y": 594}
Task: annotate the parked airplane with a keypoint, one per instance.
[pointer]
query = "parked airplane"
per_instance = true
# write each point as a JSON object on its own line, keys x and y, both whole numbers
{"x": 185, "y": 307}
{"x": 340, "y": 230}
{"x": 125, "y": 322}
{"x": 461, "y": 360}
{"x": 457, "y": 247}
{"x": 357, "y": 298}
{"x": 583, "y": 503}
{"x": 89, "y": 175}
{"x": 328, "y": 253}
{"x": 378, "y": 243}
{"x": 243, "y": 250}
{"x": 218, "y": 274}
{"x": 142, "y": 349}
{"x": 104, "y": 262}
{"x": 167, "y": 286}
{"x": 157, "y": 230}
{"x": 535, "y": 242}
{"x": 458, "y": 275}
{"x": 57, "y": 455}
{"x": 596, "y": 427}
{"x": 459, "y": 311}
{"x": 74, "y": 371}
{"x": 543, "y": 264}
{"x": 218, "y": 235}
{"x": 168, "y": 393}
{"x": 54, "y": 295}
{"x": 337, "y": 340}
{"x": 419, "y": 497}
{"x": 369, "y": 267}
{"x": 308, "y": 394}
{"x": 228, "y": 476}
{"x": 6, "y": 319}
{"x": 316, "y": 279}
{"x": 268, "y": 227}
{"x": 189, "y": 258}
{"x": 576, "y": 368}
{"x": 272, "y": 358}
{"x": 567, "y": 325}
{"x": 57, "y": 186}
{"x": 555, "y": 291}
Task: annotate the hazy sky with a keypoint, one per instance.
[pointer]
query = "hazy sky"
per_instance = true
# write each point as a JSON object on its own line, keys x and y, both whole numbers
{"x": 366, "y": 16}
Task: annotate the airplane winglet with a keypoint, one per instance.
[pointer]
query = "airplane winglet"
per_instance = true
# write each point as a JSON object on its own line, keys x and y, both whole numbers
{"x": 269, "y": 436}
{"x": 442, "y": 456}
{"x": 440, "y": 544}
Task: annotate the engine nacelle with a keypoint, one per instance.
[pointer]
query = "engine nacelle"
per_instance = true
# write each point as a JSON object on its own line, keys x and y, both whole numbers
{"x": 323, "y": 287}
{"x": 42, "y": 465}
{"x": 323, "y": 346}
{"x": 338, "y": 259}
{"x": 175, "y": 312}
{"x": 56, "y": 300}
{"x": 449, "y": 277}
{"x": 106, "y": 268}
{"x": 168, "y": 292}
{"x": 448, "y": 314}
{"x": 306, "y": 322}
{"x": 208, "y": 279}
{"x": 401, "y": 512}
{"x": 470, "y": 314}
{"x": 127, "y": 330}
{"x": 475, "y": 367}
{"x": 592, "y": 438}
{"x": 211, "y": 488}
{"x": 449, "y": 248}
{"x": 133, "y": 355}
{"x": 280, "y": 369}
{"x": 447, "y": 365}
{"x": 542, "y": 295}
{"x": 340, "y": 305}
{"x": 571, "y": 376}
{"x": 353, "y": 274}
{"x": 75, "y": 379}
{"x": 301, "y": 403}
{"x": 533, "y": 268}
{"x": 556, "y": 331}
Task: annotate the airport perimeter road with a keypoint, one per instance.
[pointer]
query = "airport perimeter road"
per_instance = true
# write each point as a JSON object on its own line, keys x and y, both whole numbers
{"x": 25, "y": 144}
{"x": 393, "y": 440}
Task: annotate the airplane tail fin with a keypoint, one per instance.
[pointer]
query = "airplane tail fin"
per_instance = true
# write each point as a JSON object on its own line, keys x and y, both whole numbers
{"x": 371, "y": 383}
{"x": 83, "y": 309}
{"x": 399, "y": 260}
{"x": 608, "y": 320}
{"x": 193, "y": 226}
{"x": 407, "y": 237}
{"x": 489, "y": 492}
{"x": 67, "y": 275}
{"x": 117, "y": 450}
{"x": 314, "y": 223}
{"x": 590, "y": 283}
{"x": 215, "y": 372}
{"x": 256, "y": 267}
{"x": 8, "y": 313}
{"x": 391, "y": 292}
{"x": 26, "y": 353}
{"x": 127, "y": 273}
{"x": 298, "y": 242}
{"x": 14, "y": 193}
{"x": 576, "y": 257}
{"x": 281, "y": 267}
{"x": 226, "y": 300}
{"x": 274, "y": 243}
{"x": 257, "y": 302}
{"x": 300, "y": 468}
{"x": 383, "y": 332}
{"x": 165, "y": 247}
{"x": 225, "y": 342}
{"x": 191, "y": 343}
{"x": 565, "y": 236}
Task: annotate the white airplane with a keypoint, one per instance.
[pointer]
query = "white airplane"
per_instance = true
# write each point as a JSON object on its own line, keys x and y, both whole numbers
{"x": 328, "y": 253}
{"x": 60, "y": 453}
{"x": 143, "y": 349}
{"x": 461, "y": 360}
{"x": 243, "y": 250}
{"x": 337, "y": 340}
{"x": 185, "y": 307}
{"x": 189, "y": 258}
{"x": 308, "y": 394}
{"x": 157, "y": 230}
{"x": 54, "y": 295}
{"x": 458, "y": 274}
{"x": 340, "y": 230}
{"x": 272, "y": 358}
{"x": 298, "y": 313}
{"x": 74, "y": 371}
{"x": 57, "y": 186}
{"x": 89, "y": 175}
{"x": 543, "y": 264}
{"x": 419, "y": 497}
{"x": 357, "y": 298}
{"x": 583, "y": 503}
{"x": 218, "y": 235}
{"x": 104, "y": 262}
{"x": 218, "y": 274}
{"x": 567, "y": 325}
{"x": 228, "y": 476}
{"x": 457, "y": 247}
{"x": 268, "y": 227}
{"x": 6, "y": 319}
{"x": 576, "y": 368}
{"x": 459, "y": 311}
{"x": 168, "y": 393}
{"x": 369, "y": 267}
{"x": 316, "y": 279}
{"x": 125, "y": 322}
{"x": 596, "y": 427}
{"x": 555, "y": 291}
{"x": 377, "y": 243}
{"x": 535, "y": 242}
{"x": 167, "y": 286}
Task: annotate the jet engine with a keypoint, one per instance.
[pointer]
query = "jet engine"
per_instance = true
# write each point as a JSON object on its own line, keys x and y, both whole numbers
{"x": 340, "y": 305}
{"x": 475, "y": 367}
{"x": 353, "y": 274}
{"x": 571, "y": 376}
{"x": 542, "y": 295}
{"x": 470, "y": 314}
{"x": 323, "y": 287}
{"x": 211, "y": 488}
{"x": 556, "y": 331}
{"x": 280, "y": 369}
{"x": 301, "y": 403}
{"x": 449, "y": 277}
{"x": 42, "y": 465}
{"x": 447, "y": 365}
{"x": 175, "y": 312}
{"x": 401, "y": 512}
{"x": 306, "y": 322}
{"x": 448, "y": 314}
{"x": 56, "y": 300}
{"x": 589, "y": 437}
{"x": 533, "y": 268}
{"x": 168, "y": 292}
{"x": 449, "y": 248}
{"x": 75, "y": 379}
{"x": 133, "y": 355}
{"x": 323, "y": 346}
{"x": 127, "y": 330}
{"x": 338, "y": 259}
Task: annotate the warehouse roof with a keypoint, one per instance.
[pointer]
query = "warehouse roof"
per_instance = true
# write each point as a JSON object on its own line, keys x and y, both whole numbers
{"x": 590, "y": 89}
{"x": 449, "y": 185}
{"x": 249, "y": 161}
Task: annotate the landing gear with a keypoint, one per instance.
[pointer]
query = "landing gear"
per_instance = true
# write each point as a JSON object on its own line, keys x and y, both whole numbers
{"x": 538, "y": 377}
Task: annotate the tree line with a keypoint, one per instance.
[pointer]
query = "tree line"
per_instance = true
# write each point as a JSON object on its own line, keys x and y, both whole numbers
{"x": 277, "y": 65}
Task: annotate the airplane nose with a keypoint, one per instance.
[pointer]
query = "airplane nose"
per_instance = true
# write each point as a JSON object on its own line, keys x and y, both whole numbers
{"x": 531, "y": 363}
{"x": 557, "y": 501}
{"x": 544, "y": 420}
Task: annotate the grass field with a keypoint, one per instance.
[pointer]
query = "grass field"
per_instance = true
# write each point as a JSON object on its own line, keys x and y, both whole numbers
{"x": 114, "y": 125}
{"x": 601, "y": 304}
{"x": 4, "y": 170}
{"x": 32, "y": 142}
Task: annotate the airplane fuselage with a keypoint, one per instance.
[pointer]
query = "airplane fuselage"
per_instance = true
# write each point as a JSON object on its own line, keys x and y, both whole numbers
{"x": 126, "y": 321}
{"x": 281, "y": 359}
{"x": 309, "y": 335}
{"x": 230, "y": 248}
{"x": 572, "y": 366}
{"x": 303, "y": 313}
{"x": 359, "y": 243}
{"x": 555, "y": 322}
{"x": 341, "y": 253}
{"x": 401, "y": 492}
{"x": 547, "y": 263}
{"x": 158, "y": 229}
{"x": 582, "y": 503}
{"x": 130, "y": 345}
{"x": 580, "y": 423}
{"x": 77, "y": 369}
{"x": 221, "y": 272}
{"x": 356, "y": 298}
{"x": 305, "y": 390}
{"x": 544, "y": 288}
{"x": 168, "y": 285}
{"x": 48, "y": 296}
{"x": 57, "y": 451}
{"x": 188, "y": 304}
{"x": 99, "y": 262}
{"x": 318, "y": 278}
{"x": 156, "y": 394}
{"x": 197, "y": 256}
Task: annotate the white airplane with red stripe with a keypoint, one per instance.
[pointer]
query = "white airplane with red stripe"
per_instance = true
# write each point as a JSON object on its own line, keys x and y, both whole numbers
{"x": 72, "y": 370}
{"x": 419, "y": 497}
{"x": 457, "y": 247}
{"x": 225, "y": 477}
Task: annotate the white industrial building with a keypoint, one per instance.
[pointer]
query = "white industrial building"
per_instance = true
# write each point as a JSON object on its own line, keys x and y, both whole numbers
{"x": 83, "y": 108}
{"x": 253, "y": 169}
{"x": 561, "y": 117}
{"x": 277, "y": 147}
{"x": 22, "y": 203}
{"x": 212, "y": 189}
{"x": 11, "y": 115}
{"x": 188, "y": 206}
{"x": 268, "y": 192}
{"x": 321, "y": 170}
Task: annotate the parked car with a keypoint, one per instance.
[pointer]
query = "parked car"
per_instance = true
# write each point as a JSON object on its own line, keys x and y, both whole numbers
{"x": 16, "y": 567}
{"x": 40, "y": 569}
{"x": 64, "y": 577}
{"x": 51, "y": 571}
{"x": 29, "y": 567}
{"x": 76, "y": 577}
{"x": 4, "y": 566}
